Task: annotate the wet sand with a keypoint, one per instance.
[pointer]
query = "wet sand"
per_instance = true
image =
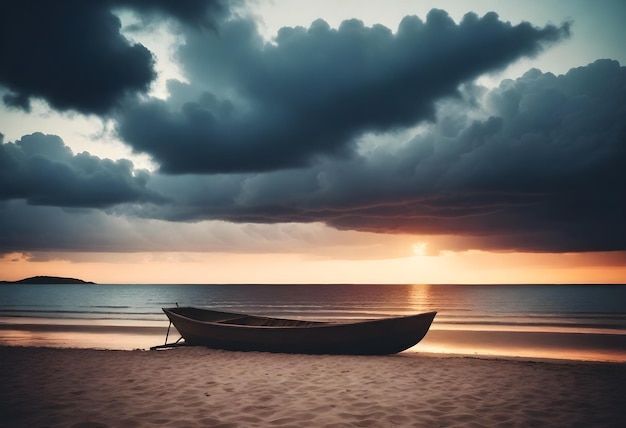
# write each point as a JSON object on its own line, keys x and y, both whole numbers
{"x": 201, "y": 387}
{"x": 126, "y": 335}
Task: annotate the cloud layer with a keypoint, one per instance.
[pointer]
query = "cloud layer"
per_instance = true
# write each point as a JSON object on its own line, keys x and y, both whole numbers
{"x": 265, "y": 107}
{"x": 71, "y": 53}
{"x": 42, "y": 170}
{"x": 542, "y": 171}
{"x": 319, "y": 127}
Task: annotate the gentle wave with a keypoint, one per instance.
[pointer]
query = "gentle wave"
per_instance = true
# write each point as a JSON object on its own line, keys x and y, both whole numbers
{"x": 470, "y": 315}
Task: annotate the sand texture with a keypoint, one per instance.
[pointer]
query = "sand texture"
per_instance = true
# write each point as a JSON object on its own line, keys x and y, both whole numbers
{"x": 201, "y": 387}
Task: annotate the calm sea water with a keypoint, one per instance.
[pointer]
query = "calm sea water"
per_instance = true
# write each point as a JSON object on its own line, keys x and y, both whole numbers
{"x": 564, "y": 321}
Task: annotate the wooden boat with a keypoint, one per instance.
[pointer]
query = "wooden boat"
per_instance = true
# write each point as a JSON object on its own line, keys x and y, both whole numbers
{"x": 240, "y": 332}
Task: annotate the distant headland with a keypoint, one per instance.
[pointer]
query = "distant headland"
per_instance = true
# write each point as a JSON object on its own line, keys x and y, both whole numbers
{"x": 48, "y": 280}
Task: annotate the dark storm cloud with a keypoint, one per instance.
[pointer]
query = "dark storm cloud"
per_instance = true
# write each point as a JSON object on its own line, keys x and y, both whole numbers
{"x": 541, "y": 170}
{"x": 71, "y": 52}
{"x": 536, "y": 164}
{"x": 199, "y": 13}
{"x": 42, "y": 170}
{"x": 273, "y": 106}
{"x": 545, "y": 172}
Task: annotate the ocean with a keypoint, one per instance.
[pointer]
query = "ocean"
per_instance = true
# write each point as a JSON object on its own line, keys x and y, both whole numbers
{"x": 575, "y": 322}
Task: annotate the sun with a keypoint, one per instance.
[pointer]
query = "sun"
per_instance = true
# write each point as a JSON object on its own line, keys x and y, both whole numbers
{"x": 419, "y": 249}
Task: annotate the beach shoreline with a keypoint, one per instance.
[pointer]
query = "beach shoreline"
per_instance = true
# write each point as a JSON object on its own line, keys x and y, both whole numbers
{"x": 142, "y": 335}
{"x": 196, "y": 386}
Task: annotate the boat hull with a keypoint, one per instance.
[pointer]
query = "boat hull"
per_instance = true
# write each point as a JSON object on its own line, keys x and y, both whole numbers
{"x": 224, "y": 330}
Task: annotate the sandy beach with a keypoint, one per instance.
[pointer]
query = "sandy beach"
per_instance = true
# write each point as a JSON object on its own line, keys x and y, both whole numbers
{"x": 201, "y": 387}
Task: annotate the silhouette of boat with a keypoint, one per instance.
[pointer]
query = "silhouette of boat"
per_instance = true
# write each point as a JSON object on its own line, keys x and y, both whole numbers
{"x": 241, "y": 332}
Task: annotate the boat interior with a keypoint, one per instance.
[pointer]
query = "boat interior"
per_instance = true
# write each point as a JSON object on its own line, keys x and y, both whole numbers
{"x": 240, "y": 319}
{"x": 271, "y": 322}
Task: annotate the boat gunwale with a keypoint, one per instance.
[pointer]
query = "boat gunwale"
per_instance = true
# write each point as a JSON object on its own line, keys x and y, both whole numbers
{"x": 316, "y": 324}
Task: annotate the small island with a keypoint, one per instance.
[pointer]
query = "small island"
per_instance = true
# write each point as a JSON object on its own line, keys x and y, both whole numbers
{"x": 48, "y": 280}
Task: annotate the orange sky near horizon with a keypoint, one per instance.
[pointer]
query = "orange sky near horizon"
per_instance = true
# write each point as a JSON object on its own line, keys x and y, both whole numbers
{"x": 470, "y": 267}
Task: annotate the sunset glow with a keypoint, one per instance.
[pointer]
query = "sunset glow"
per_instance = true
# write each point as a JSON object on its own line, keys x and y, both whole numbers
{"x": 221, "y": 268}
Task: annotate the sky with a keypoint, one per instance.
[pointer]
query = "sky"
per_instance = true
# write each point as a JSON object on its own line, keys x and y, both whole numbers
{"x": 313, "y": 141}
